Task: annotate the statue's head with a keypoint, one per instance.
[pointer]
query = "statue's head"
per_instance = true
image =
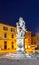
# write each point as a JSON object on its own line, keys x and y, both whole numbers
{"x": 21, "y": 21}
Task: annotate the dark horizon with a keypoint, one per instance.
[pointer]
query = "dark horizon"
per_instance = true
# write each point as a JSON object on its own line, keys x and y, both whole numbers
{"x": 11, "y": 10}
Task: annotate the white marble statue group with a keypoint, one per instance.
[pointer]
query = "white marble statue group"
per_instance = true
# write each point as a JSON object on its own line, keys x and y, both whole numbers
{"x": 21, "y": 34}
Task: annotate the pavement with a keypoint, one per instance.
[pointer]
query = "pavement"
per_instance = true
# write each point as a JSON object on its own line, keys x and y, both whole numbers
{"x": 19, "y": 62}
{"x": 27, "y": 61}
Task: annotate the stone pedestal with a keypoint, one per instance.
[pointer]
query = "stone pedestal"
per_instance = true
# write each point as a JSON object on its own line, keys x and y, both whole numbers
{"x": 20, "y": 46}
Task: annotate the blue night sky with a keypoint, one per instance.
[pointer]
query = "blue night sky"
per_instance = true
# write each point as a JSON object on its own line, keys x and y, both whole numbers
{"x": 11, "y": 10}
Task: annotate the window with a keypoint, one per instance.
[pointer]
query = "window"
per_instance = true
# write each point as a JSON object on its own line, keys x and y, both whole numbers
{"x": 12, "y": 29}
{"x": 5, "y": 44}
{"x": 5, "y": 35}
{"x": 5, "y": 28}
{"x": 12, "y": 45}
{"x": 12, "y": 35}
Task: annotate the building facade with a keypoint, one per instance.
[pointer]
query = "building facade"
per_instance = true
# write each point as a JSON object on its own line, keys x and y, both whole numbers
{"x": 37, "y": 39}
{"x": 28, "y": 38}
{"x": 7, "y": 37}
